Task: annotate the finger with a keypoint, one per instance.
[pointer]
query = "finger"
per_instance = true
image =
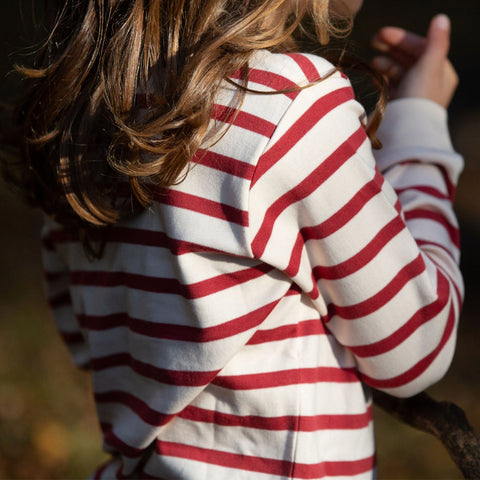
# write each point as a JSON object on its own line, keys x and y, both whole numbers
{"x": 394, "y": 37}
{"x": 438, "y": 37}
{"x": 389, "y": 68}
{"x": 405, "y": 47}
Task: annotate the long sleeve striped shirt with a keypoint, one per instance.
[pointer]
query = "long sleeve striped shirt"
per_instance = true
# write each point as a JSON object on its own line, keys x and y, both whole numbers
{"x": 234, "y": 329}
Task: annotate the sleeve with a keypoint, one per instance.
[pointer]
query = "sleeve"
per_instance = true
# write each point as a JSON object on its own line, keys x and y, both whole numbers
{"x": 57, "y": 289}
{"x": 375, "y": 247}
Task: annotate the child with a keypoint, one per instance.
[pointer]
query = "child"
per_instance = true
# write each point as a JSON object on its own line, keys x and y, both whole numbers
{"x": 224, "y": 252}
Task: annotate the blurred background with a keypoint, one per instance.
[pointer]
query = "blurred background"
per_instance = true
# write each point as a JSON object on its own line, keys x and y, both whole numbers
{"x": 48, "y": 428}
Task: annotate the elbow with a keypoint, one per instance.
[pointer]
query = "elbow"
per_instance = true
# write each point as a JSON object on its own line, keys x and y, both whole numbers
{"x": 423, "y": 375}
{"x": 418, "y": 353}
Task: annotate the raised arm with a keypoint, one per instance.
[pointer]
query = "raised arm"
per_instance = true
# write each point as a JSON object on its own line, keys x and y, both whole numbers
{"x": 381, "y": 269}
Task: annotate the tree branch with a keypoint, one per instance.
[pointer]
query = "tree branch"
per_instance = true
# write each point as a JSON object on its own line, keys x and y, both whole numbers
{"x": 444, "y": 420}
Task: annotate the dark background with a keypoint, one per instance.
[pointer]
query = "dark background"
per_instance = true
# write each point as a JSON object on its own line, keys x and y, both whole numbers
{"x": 47, "y": 423}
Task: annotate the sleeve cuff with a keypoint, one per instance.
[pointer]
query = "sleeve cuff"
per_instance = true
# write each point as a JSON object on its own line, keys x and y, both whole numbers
{"x": 417, "y": 129}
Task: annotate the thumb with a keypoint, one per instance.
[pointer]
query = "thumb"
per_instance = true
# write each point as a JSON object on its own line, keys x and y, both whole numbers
{"x": 438, "y": 36}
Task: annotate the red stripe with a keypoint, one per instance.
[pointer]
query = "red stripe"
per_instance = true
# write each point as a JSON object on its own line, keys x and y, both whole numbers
{"x": 347, "y": 211}
{"x": 245, "y": 120}
{"x": 270, "y": 466}
{"x": 162, "y": 375}
{"x": 301, "y": 329}
{"x": 53, "y": 276}
{"x": 458, "y": 294}
{"x": 448, "y": 275}
{"x": 61, "y": 235}
{"x": 201, "y": 205}
{"x": 300, "y": 128}
{"x": 306, "y": 65}
{"x": 451, "y": 187}
{"x": 168, "y": 285}
{"x": 422, "y": 316}
{"x": 340, "y": 218}
{"x": 428, "y": 243}
{"x": 433, "y": 192}
{"x": 72, "y": 338}
{"x": 334, "y": 469}
{"x": 47, "y": 243}
{"x": 151, "y": 238}
{"x": 364, "y": 256}
{"x": 117, "y": 444}
{"x": 127, "y": 451}
{"x": 377, "y": 301}
{"x": 313, "y": 181}
{"x": 421, "y": 213}
{"x": 61, "y": 300}
{"x": 58, "y": 236}
{"x": 398, "y": 207}
{"x": 272, "y": 80}
{"x": 179, "y": 332}
{"x": 314, "y": 292}
{"x": 305, "y": 423}
{"x": 129, "y": 280}
{"x": 134, "y": 236}
{"x": 147, "y": 414}
{"x": 311, "y": 423}
{"x": 287, "y": 377}
{"x": 294, "y": 290}
{"x": 420, "y": 367}
{"x": 223, "y": 163}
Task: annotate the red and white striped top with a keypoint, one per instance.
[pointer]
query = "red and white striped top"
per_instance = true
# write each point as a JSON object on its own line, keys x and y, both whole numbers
{"x": 233, "y": 330}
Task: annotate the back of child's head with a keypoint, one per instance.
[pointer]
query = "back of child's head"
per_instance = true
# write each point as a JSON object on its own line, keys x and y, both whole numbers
{"x": 86, "y": 129}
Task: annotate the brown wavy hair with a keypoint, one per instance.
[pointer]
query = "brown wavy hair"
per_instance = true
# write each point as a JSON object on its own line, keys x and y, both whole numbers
{"x": 92, "y": 146}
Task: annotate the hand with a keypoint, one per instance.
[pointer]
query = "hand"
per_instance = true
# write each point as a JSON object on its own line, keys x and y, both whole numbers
{"x": 416, "y": 66}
